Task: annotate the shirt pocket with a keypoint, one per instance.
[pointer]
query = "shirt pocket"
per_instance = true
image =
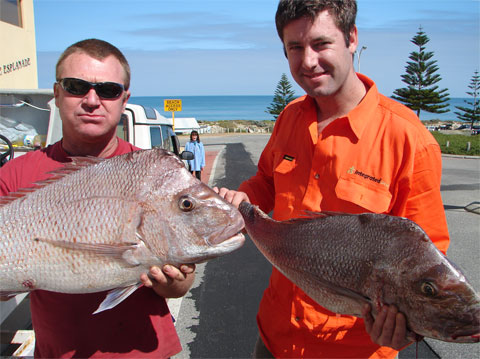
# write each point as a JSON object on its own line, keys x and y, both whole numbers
{"x": 283, "y": 169}
{"x": 375, "y": 199}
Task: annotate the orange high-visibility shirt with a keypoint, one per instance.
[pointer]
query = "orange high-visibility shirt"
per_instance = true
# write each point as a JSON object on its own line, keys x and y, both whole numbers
{"x": 378, "y": 158}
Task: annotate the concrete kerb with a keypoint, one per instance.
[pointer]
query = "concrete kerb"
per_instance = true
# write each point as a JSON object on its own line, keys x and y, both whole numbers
{"x": 461, "y": 156}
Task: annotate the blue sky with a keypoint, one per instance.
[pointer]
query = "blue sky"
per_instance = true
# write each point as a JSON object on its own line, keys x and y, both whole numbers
{"x": 230, "y": 47}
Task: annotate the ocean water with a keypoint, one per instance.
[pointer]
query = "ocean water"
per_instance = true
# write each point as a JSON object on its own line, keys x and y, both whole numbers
{"x": 218, "y": 108}
{"x": 214, "y": 108}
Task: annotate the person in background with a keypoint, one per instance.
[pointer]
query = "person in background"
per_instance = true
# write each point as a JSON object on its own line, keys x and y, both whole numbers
{"x": 196, "y": 147}
{"x": 91, "y": 92}
{"x": 343, "y": 147}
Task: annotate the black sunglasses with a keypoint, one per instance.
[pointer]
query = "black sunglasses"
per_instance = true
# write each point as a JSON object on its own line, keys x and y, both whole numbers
{"x": 79, "y": 87}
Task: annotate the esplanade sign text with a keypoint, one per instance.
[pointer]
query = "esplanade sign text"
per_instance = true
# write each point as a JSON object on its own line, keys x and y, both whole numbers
{"x": 14, "y": 66}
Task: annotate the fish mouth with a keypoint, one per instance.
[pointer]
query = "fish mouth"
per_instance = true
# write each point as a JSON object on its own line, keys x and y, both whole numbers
{"x": 228, "y": 234}
{"x": 227, "y": 246}
{"x": 466, "y": 338}
{"x": 469, "y": 332}
{"x": 231, "y": 243}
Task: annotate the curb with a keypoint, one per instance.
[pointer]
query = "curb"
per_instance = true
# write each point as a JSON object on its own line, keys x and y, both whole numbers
{"x": 461, "y": 156}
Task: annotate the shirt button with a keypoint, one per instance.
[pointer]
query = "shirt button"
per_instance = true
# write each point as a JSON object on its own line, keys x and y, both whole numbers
{"x": 317, "y": 176}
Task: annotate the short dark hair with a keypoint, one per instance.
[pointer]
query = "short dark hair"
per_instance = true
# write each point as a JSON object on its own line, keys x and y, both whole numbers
{"x": 343, "y": 11}
{"x": 97, "y": 49}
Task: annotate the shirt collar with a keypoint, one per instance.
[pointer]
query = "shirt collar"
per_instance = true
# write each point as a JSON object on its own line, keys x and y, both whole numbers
{"x": 358, "y": 118}
{"x": 308, "y": 110}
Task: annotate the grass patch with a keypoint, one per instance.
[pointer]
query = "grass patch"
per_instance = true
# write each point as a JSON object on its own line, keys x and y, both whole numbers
{"x": 235, "y": 123}
{"x": 241, "y": 125}
{"x": 457, "y": 144}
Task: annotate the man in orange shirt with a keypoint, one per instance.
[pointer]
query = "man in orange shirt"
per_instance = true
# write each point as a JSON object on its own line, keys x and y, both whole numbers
{"x": 343, "y": 147}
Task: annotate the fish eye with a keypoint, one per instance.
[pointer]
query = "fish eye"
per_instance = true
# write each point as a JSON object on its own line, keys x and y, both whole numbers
{"x": 186, "y": 204}
{"x": 428, "y": 289}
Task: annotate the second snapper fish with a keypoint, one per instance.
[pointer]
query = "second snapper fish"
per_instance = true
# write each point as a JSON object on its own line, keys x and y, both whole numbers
{"x": 344, "y": 261}
{"x": 99, "y": 224}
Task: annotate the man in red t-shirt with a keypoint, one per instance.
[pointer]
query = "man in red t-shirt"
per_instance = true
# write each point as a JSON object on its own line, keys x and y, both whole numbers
{"x": 91, "y": 93}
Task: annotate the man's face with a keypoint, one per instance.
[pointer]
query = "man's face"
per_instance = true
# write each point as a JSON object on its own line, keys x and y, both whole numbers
{"x": 319, "y": 60}
{"x": 89, "y": 118}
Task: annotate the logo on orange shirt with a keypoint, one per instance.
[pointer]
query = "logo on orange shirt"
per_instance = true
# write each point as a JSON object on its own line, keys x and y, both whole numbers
{"x": 353, "y": 171}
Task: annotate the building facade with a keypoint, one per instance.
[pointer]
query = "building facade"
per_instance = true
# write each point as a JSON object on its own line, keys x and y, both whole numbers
{"x": 18, "y": 54}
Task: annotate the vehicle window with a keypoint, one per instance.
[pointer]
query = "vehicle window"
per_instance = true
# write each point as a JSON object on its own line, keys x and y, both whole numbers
{"x": 149, "y": 113}
{"x": 156, "y": 137}
{"x": 167, "y": 140}
{"x": 122, "y": 128}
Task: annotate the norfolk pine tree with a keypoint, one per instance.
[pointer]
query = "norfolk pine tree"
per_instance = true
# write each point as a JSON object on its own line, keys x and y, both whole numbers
{"x": 283, "y": 95}
{"x": 471, "y": 114}
{"x": 422, "y": 93}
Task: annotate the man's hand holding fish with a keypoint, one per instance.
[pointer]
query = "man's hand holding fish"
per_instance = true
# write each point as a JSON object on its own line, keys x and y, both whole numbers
{"x": 170, "y": 281}
{"x": 388, "y": 328}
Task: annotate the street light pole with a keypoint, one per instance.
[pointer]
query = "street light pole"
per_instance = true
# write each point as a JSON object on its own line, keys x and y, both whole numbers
{"x": 358, "y": 59}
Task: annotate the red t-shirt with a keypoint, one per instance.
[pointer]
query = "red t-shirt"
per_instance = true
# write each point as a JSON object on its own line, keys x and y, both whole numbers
{"x": 139, "y": 327}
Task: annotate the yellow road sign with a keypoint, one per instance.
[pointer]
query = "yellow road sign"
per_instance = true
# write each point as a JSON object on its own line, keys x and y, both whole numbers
{"x": 172, "y": 105}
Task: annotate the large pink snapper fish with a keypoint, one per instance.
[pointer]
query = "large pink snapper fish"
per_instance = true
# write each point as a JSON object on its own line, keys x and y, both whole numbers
{"x": 98, "y": 224}
{"x": 343, "y": 261}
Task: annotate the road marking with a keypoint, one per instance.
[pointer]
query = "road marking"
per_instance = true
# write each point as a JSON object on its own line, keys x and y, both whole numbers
{"x": 214, "y": 168}
{"x": 174, "y": 304}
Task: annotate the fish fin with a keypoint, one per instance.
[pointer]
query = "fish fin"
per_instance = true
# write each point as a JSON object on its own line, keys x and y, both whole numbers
{"x": 139, "y": 254}
{"x": 77, "y": 164}
{"x": 116, "y": 296}
{"x": 335, "y": 288}
{"x": 13, "y": 196}
{"x": 345, "y": 292}
{"x": 133, "y": 254}
{"x": 307, "y": 215}
{"x": 8, "y": 294}
{"x": 123, "y": 251}
{"x": 311, "y": 214}
{"x": 352, "y": 294}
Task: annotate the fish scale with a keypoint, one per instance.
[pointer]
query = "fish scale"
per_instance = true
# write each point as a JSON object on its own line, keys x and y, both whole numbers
{"x": 343, "y": 261}
{"x": 99, "y": 224}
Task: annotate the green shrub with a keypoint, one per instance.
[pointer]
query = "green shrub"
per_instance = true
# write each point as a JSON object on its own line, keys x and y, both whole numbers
{"x": 457, "y": 144}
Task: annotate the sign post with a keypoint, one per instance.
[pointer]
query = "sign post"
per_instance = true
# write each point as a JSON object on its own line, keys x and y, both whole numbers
{"x": 172, "y": 106}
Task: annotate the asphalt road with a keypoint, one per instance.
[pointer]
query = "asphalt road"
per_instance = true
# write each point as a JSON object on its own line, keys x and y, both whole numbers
{"x": 216, "y": 319}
